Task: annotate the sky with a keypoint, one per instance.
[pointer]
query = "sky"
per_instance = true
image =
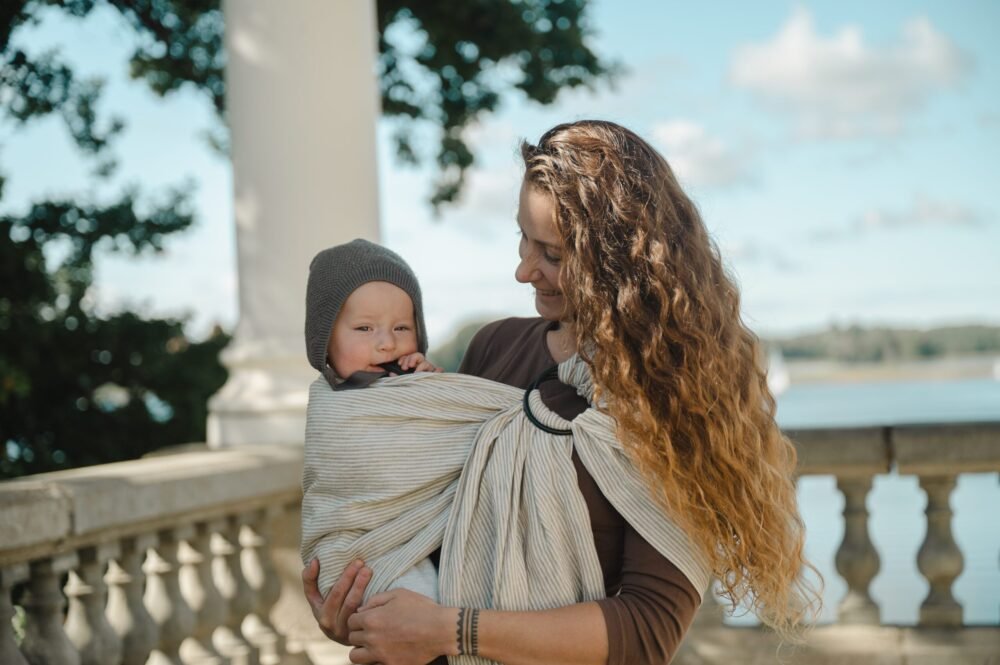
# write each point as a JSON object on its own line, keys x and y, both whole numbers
{"x": 843, "y": 156}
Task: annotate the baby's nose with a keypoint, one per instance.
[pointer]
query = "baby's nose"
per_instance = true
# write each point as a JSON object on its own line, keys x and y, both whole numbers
{"x": 386, "y": 341}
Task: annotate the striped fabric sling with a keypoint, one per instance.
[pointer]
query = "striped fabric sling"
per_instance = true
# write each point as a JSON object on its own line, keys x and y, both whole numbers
{"x": 417, "y": 462}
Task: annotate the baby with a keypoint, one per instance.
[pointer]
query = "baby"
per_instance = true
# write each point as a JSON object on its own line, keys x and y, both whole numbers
{"x": 363, "y": 313}
{"x": 364, "y": 321}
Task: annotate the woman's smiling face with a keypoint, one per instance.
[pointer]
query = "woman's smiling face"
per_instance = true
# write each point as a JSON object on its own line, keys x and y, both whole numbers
{"x": 541, "y": 250}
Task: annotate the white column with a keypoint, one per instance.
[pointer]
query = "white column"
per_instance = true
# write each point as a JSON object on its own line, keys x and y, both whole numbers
{"x": 302, "y": 104}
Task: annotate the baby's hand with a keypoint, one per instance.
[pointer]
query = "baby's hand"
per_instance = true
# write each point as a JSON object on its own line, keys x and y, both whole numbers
{"x": 418, "y": 362}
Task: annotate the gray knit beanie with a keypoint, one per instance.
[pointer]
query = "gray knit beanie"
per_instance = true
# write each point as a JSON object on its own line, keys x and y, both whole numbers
{"x": 335, "y": 273}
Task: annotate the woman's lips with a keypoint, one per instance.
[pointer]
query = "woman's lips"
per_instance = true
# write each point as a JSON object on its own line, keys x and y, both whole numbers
{"x": 548, "y": 294}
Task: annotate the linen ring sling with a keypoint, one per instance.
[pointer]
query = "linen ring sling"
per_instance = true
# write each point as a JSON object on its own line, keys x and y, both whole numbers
{"x": 425, "y": 461}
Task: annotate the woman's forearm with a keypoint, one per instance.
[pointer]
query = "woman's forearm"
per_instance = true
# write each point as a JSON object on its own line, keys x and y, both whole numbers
{"x": 574, "y": 635}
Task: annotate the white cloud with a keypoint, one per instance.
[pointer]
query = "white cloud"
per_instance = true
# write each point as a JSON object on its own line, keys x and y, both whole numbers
{"x": 697, "y": 158}
{"x": 750, "y": 253}
{"x": 989, "y": 119}
{"x": 922, "y": 212}
{"x": 841, "y": 87}
{"x": 488, "y": 203}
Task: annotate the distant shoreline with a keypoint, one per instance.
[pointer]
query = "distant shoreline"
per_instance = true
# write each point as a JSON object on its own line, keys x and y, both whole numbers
{"x": 937, "y": 369}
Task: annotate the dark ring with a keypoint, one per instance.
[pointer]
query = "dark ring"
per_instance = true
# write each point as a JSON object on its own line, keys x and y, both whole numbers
{"x": 550, "y": 373}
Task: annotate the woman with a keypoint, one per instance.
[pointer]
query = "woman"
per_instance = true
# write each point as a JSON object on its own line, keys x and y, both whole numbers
{"x": 625, "y": 274}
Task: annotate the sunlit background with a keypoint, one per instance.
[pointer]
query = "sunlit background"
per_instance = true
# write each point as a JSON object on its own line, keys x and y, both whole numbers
{"x": 843, "y": 154}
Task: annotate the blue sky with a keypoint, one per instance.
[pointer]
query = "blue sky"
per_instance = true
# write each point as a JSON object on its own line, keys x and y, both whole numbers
{"x": 843, "y": 154}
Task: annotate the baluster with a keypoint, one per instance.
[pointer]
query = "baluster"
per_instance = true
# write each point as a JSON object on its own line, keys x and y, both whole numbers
{"x": 262, "y": 577}
{"x": 163, "y": 597}
{"x": 228, "y": 574}
{"x": 202, "y": 596}
{"x": 86, "y": 624}
{"x": 126, "y": 612}
{"x": 939, "y": 558}
{"x": 857, "y": 561}
{"x": 45, "y": 640}
{"x": 9, "y": 653}
{"x": 711, "y": 612}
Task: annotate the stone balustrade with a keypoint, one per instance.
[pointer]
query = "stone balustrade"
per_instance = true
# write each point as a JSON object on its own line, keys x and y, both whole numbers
{"x": 171, "y": 559}
{"x": 160, "y": 560}
{"x": 936, "y": 455}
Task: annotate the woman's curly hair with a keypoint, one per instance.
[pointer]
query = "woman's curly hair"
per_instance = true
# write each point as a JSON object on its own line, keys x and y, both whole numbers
{"x": 658, "y": 320}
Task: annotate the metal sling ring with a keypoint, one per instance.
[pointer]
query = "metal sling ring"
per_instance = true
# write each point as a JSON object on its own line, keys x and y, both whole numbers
{"x": 550, "y": 373}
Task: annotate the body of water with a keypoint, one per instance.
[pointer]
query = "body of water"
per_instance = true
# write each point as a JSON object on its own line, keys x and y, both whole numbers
{"x": 896, "y": 503}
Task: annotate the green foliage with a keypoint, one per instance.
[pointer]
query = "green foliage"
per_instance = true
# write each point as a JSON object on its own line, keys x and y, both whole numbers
{"x": 449, "y": 355}
{"x": 447, "y": 67}
{"x": 857, "y": 344}
{"x": 446, "y": 64}
{"x": 77, "y": 388}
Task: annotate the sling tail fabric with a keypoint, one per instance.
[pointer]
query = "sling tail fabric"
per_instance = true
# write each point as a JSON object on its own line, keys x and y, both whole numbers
{"x": 426, "y": 460}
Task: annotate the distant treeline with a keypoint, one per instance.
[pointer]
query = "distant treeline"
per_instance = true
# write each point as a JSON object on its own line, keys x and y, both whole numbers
{"x": 449, "y": 355}
{"x": 857, "y": 344}
{"x": 849, "y": 344}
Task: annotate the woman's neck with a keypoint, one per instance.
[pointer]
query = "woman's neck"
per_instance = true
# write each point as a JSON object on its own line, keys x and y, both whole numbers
{"x": 561, "y": 342}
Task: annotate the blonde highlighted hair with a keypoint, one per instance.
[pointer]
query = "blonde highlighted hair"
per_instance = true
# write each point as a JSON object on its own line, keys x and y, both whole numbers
{"x": 652, "y": 303}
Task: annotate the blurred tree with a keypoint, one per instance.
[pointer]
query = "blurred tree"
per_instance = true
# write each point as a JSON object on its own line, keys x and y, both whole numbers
{"x": 451, "y": 62}
{"x": 441, "y": 64}
{"x": 449, "y": 355}
{"x": 78, "y": 388}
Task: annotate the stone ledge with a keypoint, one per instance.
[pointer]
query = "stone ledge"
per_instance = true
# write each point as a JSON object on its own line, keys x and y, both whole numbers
{"x": 48, "y": 508}
{"x": 861, "y": 451}
{"x": 34, "y": 512}
{"x": 950, "y": 449}
{"x": 843, "y": 645}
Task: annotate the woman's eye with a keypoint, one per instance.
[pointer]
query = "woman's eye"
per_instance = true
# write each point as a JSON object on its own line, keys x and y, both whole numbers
{"x": 552, "y": 259}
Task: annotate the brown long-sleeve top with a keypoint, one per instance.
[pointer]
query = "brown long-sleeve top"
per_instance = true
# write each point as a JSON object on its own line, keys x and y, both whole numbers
{"x": 650, "y": 603}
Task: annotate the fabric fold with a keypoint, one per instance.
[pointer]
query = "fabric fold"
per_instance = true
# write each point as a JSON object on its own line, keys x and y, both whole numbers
{"x": 430, "y": 460}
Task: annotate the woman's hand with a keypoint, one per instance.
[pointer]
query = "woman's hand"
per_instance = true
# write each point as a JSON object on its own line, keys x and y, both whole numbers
{"x": 400, "y": 627}
{"x": 341, "y": 602}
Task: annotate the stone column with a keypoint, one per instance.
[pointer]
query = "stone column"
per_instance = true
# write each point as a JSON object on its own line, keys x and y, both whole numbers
{"x": 163, "y": 597}
{"x": 856, "y": 560}
{"x": 86, "y": 623}
{"x": 302, "y": 104}
{"x": 126, "y": 611}
{"x": 45, "y": 640}
{"x": 939, "y": 559}
{"x": 9, "y": 576}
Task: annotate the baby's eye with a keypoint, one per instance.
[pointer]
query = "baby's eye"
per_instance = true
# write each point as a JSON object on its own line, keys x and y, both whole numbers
{"x": 363, "y": 328}
{"x": 403, "y": 328}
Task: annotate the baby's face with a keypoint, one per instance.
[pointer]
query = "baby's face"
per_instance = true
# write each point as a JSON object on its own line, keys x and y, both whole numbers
{"x": 375, "y": 325}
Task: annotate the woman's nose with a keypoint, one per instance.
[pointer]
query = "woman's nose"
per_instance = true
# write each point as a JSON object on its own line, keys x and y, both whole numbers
{"x": 525, "y": 272}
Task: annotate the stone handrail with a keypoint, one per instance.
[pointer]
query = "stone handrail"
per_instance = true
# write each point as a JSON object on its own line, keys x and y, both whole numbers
{"x": 936, "y": 454}
{"x": 168, "y": 558}
{"x": 184, "y": 541}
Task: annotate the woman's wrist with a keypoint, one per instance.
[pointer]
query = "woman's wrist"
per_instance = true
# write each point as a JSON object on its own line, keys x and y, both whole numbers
{"x": 449, "y": 631}
{"x": 467, "y": 631}
{"x": 463, "y": 633}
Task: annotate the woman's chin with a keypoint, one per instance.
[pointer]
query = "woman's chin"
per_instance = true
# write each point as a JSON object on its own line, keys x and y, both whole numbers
{"x": 549, "y": 308}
